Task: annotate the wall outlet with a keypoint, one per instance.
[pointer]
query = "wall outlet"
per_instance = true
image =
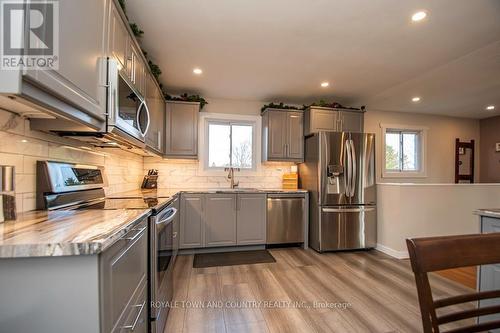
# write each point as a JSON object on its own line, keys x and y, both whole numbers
{"x": 498, "y": 146}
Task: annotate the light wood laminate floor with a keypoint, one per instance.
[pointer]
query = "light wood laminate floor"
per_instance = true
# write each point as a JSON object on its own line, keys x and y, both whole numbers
{"x": 380, "y": 290}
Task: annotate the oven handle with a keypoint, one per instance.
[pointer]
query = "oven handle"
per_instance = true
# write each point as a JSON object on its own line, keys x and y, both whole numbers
{"x": 168, "y": 219}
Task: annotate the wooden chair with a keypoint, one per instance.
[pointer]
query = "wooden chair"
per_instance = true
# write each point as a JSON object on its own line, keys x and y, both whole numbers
{"x": 438, "y": 253}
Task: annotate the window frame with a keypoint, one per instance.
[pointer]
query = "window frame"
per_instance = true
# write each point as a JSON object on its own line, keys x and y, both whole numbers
{"x": 421, "y": 151}
{"x": 228, "y": 119}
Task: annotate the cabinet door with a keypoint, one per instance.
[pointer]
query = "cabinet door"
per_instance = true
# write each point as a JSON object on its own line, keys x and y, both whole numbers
{"x": 323, "y": 120}
{"x": 152, "y": 99}
{"x": 277, "y": 135}
{"x": 295, "y": 136}
{"x": 351, "y": 121}
{"x": 81, "y": 76}
{"x": 251, "y": 219}
{"x": 117, "y": 37}
{"x": 192, "y": 227}
{"x": 182, "y": 130}
{"x": 220, "y": 220}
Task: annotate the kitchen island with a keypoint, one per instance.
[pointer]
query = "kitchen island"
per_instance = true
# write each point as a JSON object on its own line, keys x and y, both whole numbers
{"x": 489, "y": 275}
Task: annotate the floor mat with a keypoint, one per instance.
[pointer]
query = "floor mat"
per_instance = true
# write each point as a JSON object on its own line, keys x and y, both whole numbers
{"x": 203, "y": 260}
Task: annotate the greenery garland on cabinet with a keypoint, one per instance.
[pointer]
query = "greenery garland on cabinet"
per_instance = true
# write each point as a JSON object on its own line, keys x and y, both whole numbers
{"x": 282, "y": 106}
{"x": 187, "y": 98}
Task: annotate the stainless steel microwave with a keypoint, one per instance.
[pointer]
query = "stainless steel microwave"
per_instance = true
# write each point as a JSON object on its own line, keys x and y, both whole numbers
{"x": 127, "y": 108}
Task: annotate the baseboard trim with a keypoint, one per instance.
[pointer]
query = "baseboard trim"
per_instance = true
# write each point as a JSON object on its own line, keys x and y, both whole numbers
{"x": 392, "y": 252}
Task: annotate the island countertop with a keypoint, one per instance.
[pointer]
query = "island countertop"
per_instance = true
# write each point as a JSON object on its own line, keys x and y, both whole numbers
{"x": 491, "y": 212}
{"x": 65, "y": 233}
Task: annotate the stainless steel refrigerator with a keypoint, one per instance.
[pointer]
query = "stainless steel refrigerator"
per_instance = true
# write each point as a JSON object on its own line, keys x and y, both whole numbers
{"x": 339, "y": 172}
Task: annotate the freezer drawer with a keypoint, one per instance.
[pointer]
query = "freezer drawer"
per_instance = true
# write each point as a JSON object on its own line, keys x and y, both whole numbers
{"x": 344, "y": 228}
{"x": 285, "y": 222}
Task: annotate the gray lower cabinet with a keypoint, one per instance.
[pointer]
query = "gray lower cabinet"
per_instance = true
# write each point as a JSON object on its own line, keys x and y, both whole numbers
{"x": 192, "y": 228}
{"x": 282, "y": 135}
{"x": 101, "y": 293}
{"x": 81, "y": 76}
{"x": 333, "y": 120}
{"x": 489, "y": 275}
{"x": 214, "y": 220}
{"x": 251, "y": 219}
{"x": 123, "y": 276}
{"x": 182, "y": 129}
{"x": 220, "y": 220}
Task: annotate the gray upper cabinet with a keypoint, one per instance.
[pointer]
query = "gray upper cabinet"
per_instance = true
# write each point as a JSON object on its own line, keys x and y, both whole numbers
{"x": 192, "y": 228}
{"x": 81, "y": 77}
{"x": 156, "y": 106}
{"x": 333, "y": 120}
{"x": 351, "y": 121}
{"x": 182, "y": 129}
{"x": 282, "y": 135}
{"x": 118, "y": 38}
{"x": 220, "y": 220}
{"x": 251, "y": 219}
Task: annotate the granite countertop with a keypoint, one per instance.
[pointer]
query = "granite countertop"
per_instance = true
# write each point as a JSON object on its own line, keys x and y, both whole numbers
{"x": 492, "y": 212}
{"x": 167, "y": 192}
{"x": 65, "y": 233}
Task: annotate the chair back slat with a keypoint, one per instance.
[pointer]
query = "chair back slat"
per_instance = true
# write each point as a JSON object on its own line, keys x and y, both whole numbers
{"x": 439, "y": 253}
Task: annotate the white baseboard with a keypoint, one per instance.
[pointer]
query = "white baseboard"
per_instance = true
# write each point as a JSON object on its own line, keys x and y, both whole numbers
{"x": 392, "y": 252}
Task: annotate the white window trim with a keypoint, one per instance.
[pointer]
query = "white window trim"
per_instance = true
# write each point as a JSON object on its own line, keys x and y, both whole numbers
{"x": 422, "y": 173}
{"x": 205, "y": 117}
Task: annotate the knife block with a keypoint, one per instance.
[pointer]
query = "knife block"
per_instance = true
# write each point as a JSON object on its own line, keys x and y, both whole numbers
{"x": 150, "y": 182}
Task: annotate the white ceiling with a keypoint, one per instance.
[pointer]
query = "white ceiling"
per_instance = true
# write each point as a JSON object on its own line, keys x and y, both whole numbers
{"x": 369, "y": 51}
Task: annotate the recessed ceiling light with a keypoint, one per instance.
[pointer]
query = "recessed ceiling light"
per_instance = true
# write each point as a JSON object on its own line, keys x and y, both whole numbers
{"x": 490, "y": 107}
{"x": 418, "y": 16}
{"x": 325, "y": 84}
{"x": 415, "y": 99}
{"x": 24, "y": 141}
{"x": 197, "y": 71}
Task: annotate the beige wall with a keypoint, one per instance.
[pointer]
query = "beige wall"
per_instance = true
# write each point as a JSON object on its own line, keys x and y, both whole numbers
{"x": 21, "y": 147}
{"x": 489, "y": 157}
{"x": 442, "y": 132}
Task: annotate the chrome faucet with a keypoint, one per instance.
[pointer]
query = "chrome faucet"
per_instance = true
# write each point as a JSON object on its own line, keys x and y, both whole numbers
{"x": 231, "y": 176}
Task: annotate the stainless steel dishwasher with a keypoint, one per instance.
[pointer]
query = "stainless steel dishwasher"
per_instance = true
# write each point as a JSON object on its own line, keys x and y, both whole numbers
{"x": 285, "y": 218}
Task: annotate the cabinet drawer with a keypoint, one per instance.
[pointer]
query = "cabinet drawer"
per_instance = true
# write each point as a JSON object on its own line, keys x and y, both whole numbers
{"x": 135, "y": 316}
{"x": 123, "y": 267}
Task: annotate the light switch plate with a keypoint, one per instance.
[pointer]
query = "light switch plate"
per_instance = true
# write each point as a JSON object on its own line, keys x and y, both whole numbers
{"x": 498, "y": 146}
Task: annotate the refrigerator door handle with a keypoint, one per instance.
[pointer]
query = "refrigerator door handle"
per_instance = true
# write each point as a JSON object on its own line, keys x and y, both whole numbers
{"x": 353, "y": 169}
{"x": 347, "y": 174}
{"x": 348, "y": 210}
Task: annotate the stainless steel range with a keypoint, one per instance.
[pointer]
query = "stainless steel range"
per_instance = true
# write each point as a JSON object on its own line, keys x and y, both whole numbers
{"x": 75, "y": 186}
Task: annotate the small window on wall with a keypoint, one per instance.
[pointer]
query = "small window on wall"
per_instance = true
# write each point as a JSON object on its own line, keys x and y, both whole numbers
{"x": 230, "y": 145}
{"x": 403, "y": 151}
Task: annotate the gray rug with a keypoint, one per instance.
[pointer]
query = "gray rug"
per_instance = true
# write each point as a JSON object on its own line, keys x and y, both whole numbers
{"x": 203, "y": 260}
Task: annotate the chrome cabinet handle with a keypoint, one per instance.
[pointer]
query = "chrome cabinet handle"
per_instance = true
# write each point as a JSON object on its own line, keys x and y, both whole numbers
{"x": 132, "y": 327}
{"x": 139, "y": 231}
{"x": 159, "y": 140}
{"x": 175, "y": 234}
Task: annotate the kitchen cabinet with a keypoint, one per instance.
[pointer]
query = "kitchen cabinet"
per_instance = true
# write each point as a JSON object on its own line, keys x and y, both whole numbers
{"x": 333, "y": 120}
{"x": 192, "y": 228}
{"x": 251, "y": 219}
{"x": 80, "y": 78}
{"x": 282, "y": 135}
{"x": 182, "y": 129}
{"x": 156, "y": 106}
{"x": 489, "y": 275}
{"x": 123, "y": 276}
{"x": 118, "y": 38}
{"x": 220, "y": 220}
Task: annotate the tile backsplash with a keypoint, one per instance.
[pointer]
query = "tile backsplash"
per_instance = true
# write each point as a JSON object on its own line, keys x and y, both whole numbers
{"x": 186, "y": 174}
{"x": 21, "y": 147}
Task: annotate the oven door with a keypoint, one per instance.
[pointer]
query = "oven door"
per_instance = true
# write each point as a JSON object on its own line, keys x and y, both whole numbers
{"x": 162, "y": 238}
{"x": 128, "y": 109}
